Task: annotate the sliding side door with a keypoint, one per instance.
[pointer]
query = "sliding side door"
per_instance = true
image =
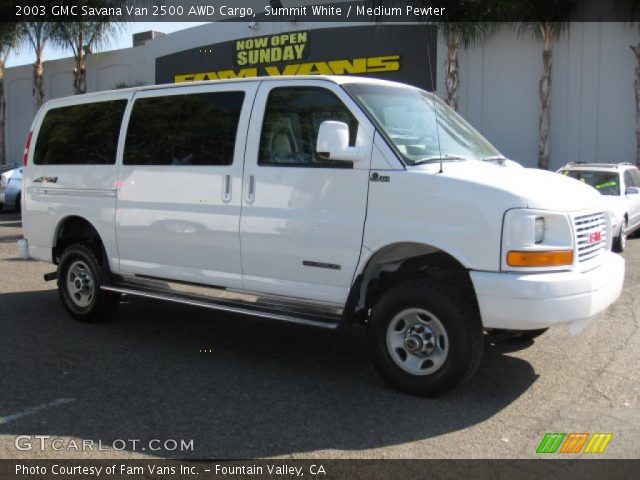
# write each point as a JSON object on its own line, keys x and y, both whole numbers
{"x": 179, "y": 184}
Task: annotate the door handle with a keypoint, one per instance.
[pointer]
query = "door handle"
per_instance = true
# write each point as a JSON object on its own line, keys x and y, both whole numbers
{"x": 226, "y": 188}
{"x": 249, "y": 189}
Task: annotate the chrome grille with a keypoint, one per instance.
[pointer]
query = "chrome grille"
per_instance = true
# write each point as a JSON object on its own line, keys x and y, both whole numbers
{"x": 591, "y": 235}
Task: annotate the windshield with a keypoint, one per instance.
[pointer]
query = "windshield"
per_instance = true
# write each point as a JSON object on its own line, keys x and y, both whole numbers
{"x": 406, "y": 116}
{"x": 606, "y": 183}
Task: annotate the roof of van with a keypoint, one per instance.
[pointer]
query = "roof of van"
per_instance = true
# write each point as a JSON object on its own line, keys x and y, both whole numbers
{"x": 338, "y": 79}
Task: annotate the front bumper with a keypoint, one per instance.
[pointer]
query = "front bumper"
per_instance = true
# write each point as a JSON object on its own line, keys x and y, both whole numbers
{"x": 529, "y": 301}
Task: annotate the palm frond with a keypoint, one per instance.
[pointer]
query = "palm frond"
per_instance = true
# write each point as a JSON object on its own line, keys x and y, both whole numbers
{"x": 552, "y": 13}
{"x": 38, "y": 33}
{"x": 629, "y": 10}
{"x": 94, "y": 34}
{"x": 10, "y": 38}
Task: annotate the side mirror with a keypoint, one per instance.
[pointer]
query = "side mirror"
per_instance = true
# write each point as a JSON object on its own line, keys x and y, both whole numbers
{"x": 632, "y": 191}
{"x": 333, "y": 142}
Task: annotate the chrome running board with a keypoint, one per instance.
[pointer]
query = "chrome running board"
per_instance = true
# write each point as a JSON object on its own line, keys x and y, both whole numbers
{"x": 258, "y": 305}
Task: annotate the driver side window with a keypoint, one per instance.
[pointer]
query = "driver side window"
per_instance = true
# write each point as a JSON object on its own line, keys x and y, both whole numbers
{"x": 290, "y": 127}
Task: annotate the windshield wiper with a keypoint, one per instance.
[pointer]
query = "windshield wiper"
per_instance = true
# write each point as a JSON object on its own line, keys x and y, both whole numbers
{"x": 444, "y": 158}
{"x": 495, "y": 158}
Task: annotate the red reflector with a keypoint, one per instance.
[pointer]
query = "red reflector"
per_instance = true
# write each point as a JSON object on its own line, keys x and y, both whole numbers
{"x": 27, "y": 144}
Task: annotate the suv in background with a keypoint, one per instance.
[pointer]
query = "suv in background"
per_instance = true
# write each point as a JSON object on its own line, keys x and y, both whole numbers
{"x": 11, "y": 189}
{"x": 7, "y": 167}
{"x": 619, "y": 183}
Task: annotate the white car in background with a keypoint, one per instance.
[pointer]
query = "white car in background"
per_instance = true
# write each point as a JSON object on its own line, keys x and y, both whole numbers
{"x": 11, "y": 189}
{"x": 619, "y": 183}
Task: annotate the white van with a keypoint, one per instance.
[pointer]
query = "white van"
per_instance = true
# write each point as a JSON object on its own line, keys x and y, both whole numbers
{"x": 323, "y": 201}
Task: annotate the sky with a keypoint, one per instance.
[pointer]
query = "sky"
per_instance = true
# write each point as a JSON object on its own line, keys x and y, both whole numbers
{"x": 24, "y": 56}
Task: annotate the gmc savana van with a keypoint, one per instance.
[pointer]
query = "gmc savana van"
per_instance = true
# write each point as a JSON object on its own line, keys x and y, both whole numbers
{"x": 324, "y": 201}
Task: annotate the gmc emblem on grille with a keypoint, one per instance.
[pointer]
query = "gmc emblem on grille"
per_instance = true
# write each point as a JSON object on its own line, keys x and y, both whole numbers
{"x": 595, "y": 237}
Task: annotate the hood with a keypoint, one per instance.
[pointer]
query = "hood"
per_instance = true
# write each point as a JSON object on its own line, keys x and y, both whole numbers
{"x": 536, "y": 188}
{"x": 615, "y": 204}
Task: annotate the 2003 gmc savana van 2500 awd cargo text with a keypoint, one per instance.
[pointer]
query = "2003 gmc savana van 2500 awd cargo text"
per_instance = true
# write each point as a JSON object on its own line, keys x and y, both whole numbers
{"x": 318, "y": 200}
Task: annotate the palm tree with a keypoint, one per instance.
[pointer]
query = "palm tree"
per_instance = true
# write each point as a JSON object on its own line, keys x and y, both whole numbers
{"x": 472, "y": 25}
{"x": 37, "y": 35}
{"x": 456, "y": 35}
{"x": 83, "y": 37}
{"x": 542, "y": 16}
{"x": 630, "y": 9}
{"x": 9, "y": 40}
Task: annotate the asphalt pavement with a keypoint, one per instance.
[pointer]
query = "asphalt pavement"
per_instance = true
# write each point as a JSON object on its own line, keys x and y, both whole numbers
{"x": 165, "y": 380}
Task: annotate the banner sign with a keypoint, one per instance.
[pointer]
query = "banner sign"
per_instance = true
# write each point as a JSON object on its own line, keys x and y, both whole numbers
{"x": 404, "y": 53}
{"x": 284, "y": 47}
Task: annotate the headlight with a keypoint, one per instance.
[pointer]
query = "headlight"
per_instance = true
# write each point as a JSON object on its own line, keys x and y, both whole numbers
{"x": 539, "y": 229}
{"x": 536, "y": 239}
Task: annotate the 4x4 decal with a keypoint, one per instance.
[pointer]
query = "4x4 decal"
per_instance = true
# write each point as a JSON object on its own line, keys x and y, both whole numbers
{"x": 376, "y": 177}
{"x": 46, "y": 180}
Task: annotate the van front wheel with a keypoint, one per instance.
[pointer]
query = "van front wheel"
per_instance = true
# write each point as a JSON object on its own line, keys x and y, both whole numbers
{"x": 80, "y": 275}
{"x": 425, "y": 337}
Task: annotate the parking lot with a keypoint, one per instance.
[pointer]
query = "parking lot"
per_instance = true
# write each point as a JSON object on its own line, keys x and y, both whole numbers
{"x": 241, "y": 387}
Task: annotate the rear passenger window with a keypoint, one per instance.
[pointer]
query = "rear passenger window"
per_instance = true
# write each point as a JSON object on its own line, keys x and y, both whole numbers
{"x": 151, "y": 130}
{"x": 80, "y": 134}
{"x": 193, "y": 129}
{"x": 291, "y": 122}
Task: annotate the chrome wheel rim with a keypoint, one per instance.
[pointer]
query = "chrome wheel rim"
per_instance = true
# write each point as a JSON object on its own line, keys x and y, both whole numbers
{"x": 80, "y": 284}
{"x": 623, "y": 235}
{"x": 417, "y": 341}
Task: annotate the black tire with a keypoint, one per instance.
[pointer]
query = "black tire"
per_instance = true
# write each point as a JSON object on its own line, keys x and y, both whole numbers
{"x": 620, "y": 242}
{"x": 454, "y": 311}
{"x": 94, "y": 305}
{"x": 18, "y": 205}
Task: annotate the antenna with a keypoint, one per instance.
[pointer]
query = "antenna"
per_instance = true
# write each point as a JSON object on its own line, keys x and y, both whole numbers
{"x": 433, "y": 97}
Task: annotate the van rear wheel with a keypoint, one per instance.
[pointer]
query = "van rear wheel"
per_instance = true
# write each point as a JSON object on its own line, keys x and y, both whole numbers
{"x": 80, "y": 276}
{"x": 425, "y": 337}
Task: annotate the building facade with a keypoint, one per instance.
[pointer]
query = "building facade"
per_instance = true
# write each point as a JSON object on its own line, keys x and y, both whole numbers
{"x": 593, "y": 103}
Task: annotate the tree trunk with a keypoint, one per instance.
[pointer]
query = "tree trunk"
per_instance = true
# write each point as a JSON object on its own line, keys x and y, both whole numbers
{"x": 80, "y": 74}
{"x": 636, "y": 51}
{"x": 545, "y": 96}
{"x": 38, "y": 87}
{"x": 3, "y": 158}
{"x": 452, "y": 70}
